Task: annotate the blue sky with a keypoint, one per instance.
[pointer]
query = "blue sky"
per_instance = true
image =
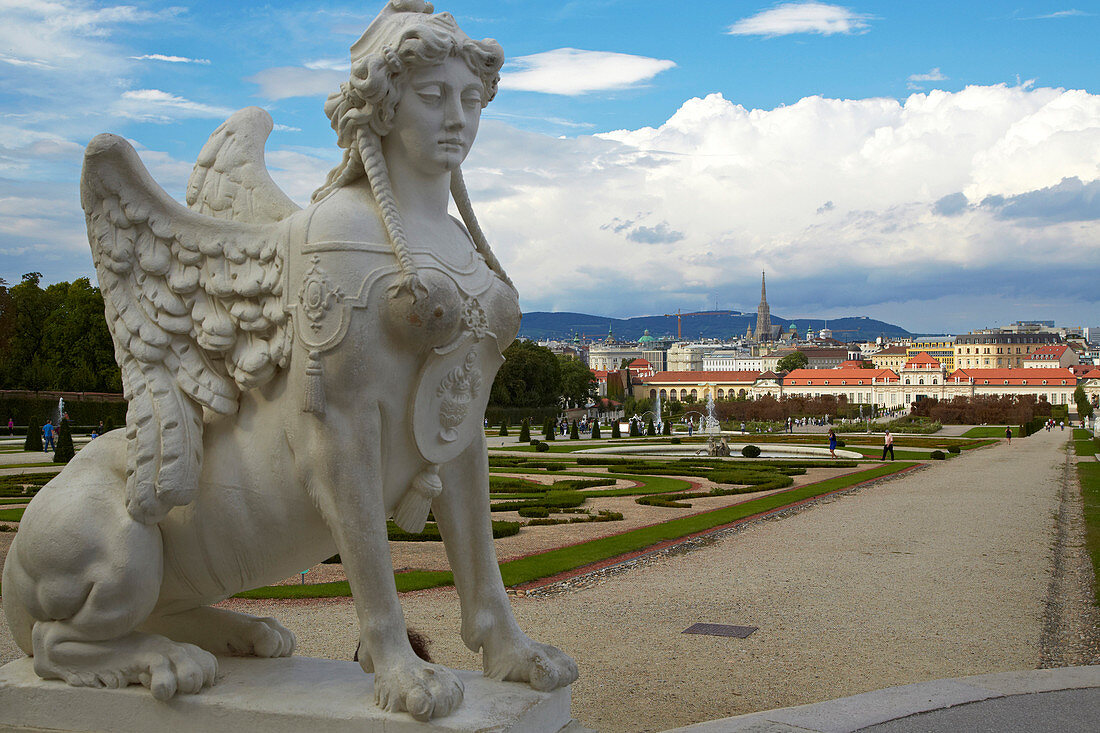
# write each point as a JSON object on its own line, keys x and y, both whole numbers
{"x": 933, "y": 164}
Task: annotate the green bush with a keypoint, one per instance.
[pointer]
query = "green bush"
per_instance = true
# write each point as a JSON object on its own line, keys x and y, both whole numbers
{"x": 615, "y": 431}
{"x": 548, "y": 429}
{"x": 750, "y": 451}
{"x": 674, "y": 441}
{"x": 938, "y": 455}
{"x": 65, "y": 450}
{"x": 650, "y": 430}
{"x": 666, "y": 429}
{"x": 525, "y": 431}
{"x": 574, "y": 431}
{"x": 503, "y": 432}
{"x": 596, "y": 429}
{"x": 431, "y": 533}
{"x": 542, "y": 447}
{"x": 533, "y": 512}
{"x": 954, "y": 449}
{"x": 34, "y": 438}
{"x": 840, "y": 443}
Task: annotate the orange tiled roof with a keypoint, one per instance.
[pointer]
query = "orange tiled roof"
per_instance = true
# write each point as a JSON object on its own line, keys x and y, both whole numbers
{"x": 922, "y": 360}
{"x": 1048, "y": 351}
{"x": 834, "y": 377}
{"x": 702, "y": 377}
{"x": 1030, "y": 377}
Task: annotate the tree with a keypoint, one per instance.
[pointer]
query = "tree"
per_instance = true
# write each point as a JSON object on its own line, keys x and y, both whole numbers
{"x": 792, "y": 361}
{"x": 548, "y": 430}
{"x": 578, "y": 383}
{"x": 33, "y": 440}
{"x": 503, "y": 427}
{"x": 650, "y": 430}
{"x": 574, "y": 431}
{"x": 529, "y": 377}
{"x": 65, "y": 450}
{"x": 616, "y": 432}
{"x": 596, "y": 430}
{"x": 1084, "y": 406}
{"x": 525, "y": 431}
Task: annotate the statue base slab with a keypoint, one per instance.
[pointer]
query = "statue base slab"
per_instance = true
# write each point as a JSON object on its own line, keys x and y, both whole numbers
{"x": 285, "y": 695}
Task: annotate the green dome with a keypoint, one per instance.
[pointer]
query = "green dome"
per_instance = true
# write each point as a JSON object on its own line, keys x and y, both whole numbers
{"x": 646, "y": 338}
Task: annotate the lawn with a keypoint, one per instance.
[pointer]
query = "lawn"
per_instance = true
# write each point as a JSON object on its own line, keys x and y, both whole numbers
{"x": 563, "y": 559}
{"x": 11, "y": 515}
{"x": 987, "y": 431}
{"x": 1089, "y": 474}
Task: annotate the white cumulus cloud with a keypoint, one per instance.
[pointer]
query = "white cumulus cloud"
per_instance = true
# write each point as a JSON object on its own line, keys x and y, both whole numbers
{"x": 170, "y": 59}
{"x": 806, "y": 17}
{"x": 284, "y": 82}
{"x": 155, "y": 105}
{"x": 572, "y": 71}
{"x": 719, "y": 192}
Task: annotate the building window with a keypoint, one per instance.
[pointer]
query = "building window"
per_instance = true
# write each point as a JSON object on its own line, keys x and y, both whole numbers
{"x": 721, "y": 394}
{"x": 694, "y": 395}
{"x": 683, "y": 394}
{"x": 907, "y": 380}
{"x": 920, "y": 381}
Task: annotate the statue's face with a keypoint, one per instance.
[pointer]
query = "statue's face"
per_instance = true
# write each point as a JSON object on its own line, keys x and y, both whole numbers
{"x": 436, "y": 120}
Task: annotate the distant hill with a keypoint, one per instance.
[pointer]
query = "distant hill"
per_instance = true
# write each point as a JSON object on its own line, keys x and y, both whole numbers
{"x": 714, "y": 324}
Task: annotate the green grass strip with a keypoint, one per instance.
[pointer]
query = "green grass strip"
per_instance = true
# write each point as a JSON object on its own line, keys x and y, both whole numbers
{"x": 1089, "y": 473}
{"x": 563, "y": 559}
{"x": 11, "y": 515}
{"x": 987, "y": 431}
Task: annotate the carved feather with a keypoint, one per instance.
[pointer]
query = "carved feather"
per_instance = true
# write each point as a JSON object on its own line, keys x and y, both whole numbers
{"x": 196, "y": 313}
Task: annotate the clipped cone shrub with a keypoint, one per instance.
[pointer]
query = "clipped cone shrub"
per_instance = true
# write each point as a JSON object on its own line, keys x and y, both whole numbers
{"x": 615, "y": 431}
{"x": 34, "y": 438}
{"x": 65, "y": 450}
{"x": 649, "y": 429}
{"x": 667, "y": 429}
{"x": 503, "y": 427}
{"x": 596, "y": 429}
{"x": 548, "y": 430}
{"x": 525, "y": 431}
{"x": 574, "y": 431}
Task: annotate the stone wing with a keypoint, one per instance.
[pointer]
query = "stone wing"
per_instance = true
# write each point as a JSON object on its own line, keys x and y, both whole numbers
{"x": 230, "y": 178}
{"x": 196, "y": 313}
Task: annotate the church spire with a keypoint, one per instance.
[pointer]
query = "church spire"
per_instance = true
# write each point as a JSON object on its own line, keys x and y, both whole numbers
{"x": 763, "y": 315}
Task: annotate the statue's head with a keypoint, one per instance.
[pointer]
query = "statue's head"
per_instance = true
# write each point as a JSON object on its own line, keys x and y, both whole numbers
{"x": 404, "y": 41}
{"x": 405, "y": 36}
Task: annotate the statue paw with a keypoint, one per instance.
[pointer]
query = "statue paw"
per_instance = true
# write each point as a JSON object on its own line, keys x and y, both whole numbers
{"x": 166, "y": 667}
{"x": 425, "y": 690}
{"x": 543, "y": 666}
{"x": 263, "y": 637}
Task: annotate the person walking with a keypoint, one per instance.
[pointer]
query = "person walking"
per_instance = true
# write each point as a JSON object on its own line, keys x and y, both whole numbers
{"x": 1008, "y": 434}
{"x": 47, "y": 436}
{"x": 888, "y": 445}
{"x": 11, "y": 426}
{"x": 832, "y": 443}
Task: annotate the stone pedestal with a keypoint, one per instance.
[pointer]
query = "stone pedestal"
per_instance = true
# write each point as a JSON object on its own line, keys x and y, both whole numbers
{"x": 287, "y": 695}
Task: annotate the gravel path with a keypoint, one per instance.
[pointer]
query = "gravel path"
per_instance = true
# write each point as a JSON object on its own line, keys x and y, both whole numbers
{"x": 943, "y": 572}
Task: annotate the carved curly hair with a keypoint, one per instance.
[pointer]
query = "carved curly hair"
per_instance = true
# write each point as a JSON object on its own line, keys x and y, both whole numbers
{"x": 362, "y": 113}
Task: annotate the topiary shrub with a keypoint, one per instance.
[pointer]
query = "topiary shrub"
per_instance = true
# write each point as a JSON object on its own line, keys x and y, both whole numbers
{"x": 574, "y": 431}
{"x": 532, "y": 512}
{"x": 840, "y": 443}
{"x": 667, "y": 428}
{"x": 65, "y": 450}
{"x": 750, "y": 451}
{"x": 542, "y": 447}
{"x": 615, "y": 431}
{"x": 525, "y": 431}
{"x": 535, "y": 442}
{"x": 596, "y": 430}
{"x": 954, "y": 449}
{"x": 675, "y": 441}
{"x": 938, "y": 455}
{"x": 503, "y": 428}
{"x": 34, "y": 439}
{"x": 649, "y": 429}
{"x": 548, "y": 430}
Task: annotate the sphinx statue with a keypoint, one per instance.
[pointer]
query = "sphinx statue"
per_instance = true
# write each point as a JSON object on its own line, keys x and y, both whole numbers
{"x": 295, "y": 378}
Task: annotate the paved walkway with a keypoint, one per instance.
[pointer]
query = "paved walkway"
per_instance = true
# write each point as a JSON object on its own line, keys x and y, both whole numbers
{"x": 1065, "y": 700}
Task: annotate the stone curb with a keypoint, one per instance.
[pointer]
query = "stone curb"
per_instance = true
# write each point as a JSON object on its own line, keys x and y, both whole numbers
{"x": 849, "y": 714}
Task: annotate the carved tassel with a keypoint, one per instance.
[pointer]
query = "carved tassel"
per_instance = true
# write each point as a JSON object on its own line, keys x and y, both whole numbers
{"x": 412, "y": 510}
{"x": 315, "y": 388}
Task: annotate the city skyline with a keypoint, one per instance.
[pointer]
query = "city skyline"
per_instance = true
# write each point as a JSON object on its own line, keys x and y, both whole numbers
{"x": 937, "y": 167}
